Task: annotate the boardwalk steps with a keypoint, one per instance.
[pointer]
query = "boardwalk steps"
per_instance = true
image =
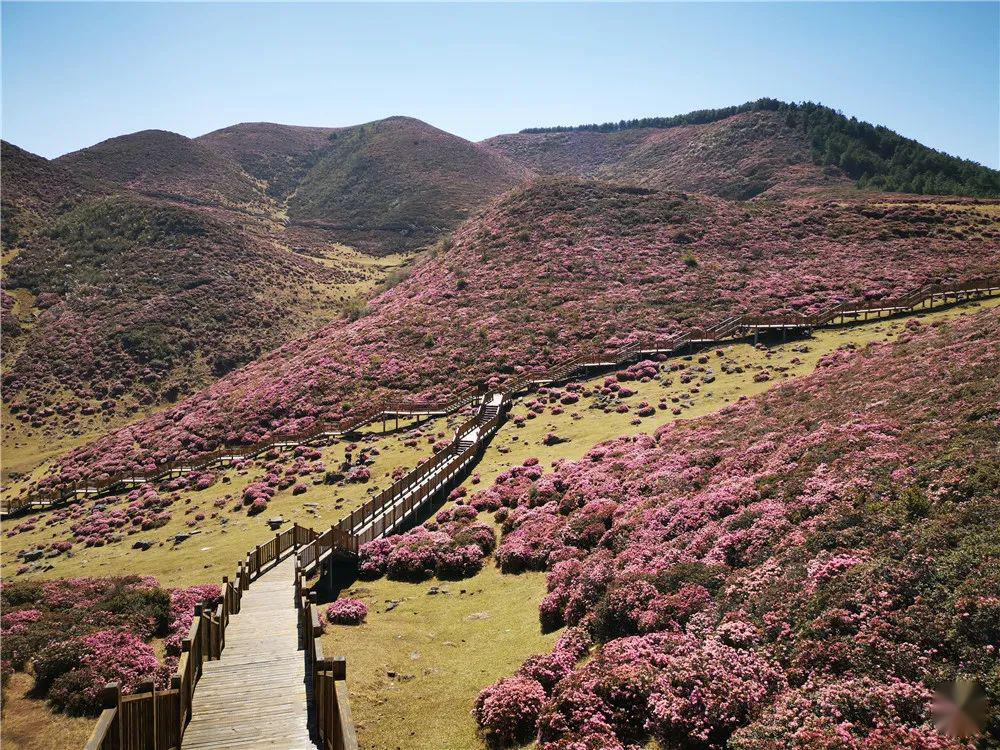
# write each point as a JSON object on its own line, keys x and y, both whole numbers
{"x": 255, "y": 696}
{"x": 250, "y": 676}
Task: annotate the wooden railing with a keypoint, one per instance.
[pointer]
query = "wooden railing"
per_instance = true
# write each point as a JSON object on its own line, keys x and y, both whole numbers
{"x": 155, "y": 719}
{"x": 742, "y": 326}
{"x": 384, "y": 410}
{"x": 387, "y": 511}
{"x": 923, "y": 298}
{"x": 334, "y": 724}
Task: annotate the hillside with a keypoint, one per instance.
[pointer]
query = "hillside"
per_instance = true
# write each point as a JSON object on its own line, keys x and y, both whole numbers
{"x": 765, "y": 148}
{"x": 400, "y": 181}
{"x": 277, "y": 155}
{"x": 554, "y": 266}
{"x": 32, "y": 190}
{"x": 394, "y": 184}
{"x": 797, "y": 570}
{"x": 135, "y": 303}
{"x": 161, "y": 164}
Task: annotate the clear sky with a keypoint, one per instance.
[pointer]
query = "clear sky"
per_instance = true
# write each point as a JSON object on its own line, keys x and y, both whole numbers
{"x": 75, "y": 74}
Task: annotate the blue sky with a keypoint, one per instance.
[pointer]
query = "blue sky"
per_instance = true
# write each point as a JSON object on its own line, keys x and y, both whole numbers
{"x": 75, "y": 74}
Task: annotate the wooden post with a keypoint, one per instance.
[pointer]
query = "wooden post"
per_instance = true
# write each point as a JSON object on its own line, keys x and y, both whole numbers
{"x": 175, "y": 684}
{"x": 199, "y": 610}
{"x": 112, "y": 698}
{"x": 338, "y": 667}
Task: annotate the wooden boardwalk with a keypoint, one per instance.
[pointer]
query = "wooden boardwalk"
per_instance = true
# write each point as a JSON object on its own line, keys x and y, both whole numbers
{"x": 255, "y": 695}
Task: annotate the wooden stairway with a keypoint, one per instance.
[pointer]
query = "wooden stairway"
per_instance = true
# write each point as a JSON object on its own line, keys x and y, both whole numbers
{"x": 255, "y": 696}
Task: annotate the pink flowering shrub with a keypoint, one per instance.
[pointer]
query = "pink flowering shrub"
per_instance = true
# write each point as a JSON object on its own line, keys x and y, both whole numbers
{"x": 794, "y": 571}
{"x": 452, "y": 546}
{"x": 508, "y": 710}
{"x": 182, "y": 604}
{"x": 852, "y": 713}
{"x": 204, "y": 481}
{"x": 710, "y": 690}
{"x": 347, "y": 612}
{"x": 76, "y": 635}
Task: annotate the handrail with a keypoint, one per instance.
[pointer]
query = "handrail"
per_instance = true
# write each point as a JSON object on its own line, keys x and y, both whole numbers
{"x": 924, "y": 297}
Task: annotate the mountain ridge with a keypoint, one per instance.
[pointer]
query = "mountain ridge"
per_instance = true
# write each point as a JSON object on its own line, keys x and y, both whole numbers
{"x": 872, "y": 155}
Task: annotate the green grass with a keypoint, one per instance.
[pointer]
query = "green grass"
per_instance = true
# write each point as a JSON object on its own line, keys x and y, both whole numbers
{"x": 413, "y": 672}
{"x": 223, "y": 541}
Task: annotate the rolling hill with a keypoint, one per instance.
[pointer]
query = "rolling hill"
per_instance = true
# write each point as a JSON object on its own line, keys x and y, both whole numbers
{"x": 554, "y": 266}
{"x": 161, "y": 164}
{"x": 392, "y": 184}
{"x": 765, "y": 148}
{"x": 115, "y": 301}
{"x": 33, "y": 190}
{"x": 277, "y": 155}
{"x": 399, "y": 177}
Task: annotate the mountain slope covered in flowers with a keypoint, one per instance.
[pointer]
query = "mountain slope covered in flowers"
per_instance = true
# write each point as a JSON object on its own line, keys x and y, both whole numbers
{"x": 122, "y": 295}
{"x": 553, "y": 267}
{"x": 795, "y": 571}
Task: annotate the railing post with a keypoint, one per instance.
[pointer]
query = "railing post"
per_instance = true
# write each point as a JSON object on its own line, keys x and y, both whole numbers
{"x": 175, "y": 684}
{"x": 112, "y": 698}
{"x": 338, "y": 667}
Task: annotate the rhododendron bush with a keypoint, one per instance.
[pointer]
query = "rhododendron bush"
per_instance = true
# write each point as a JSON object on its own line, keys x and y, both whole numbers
{"x": 452, "y": 546}
{"x": 581, "y": 264}
{"x": 347, "y": 612}
{"x": 796, "y": 571}
{"x": 78, "y": 634}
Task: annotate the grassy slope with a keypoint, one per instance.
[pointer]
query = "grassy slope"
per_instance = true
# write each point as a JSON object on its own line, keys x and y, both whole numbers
{"x": 441, "y": 648}
{"x": 401, "y": 177}
{"x": 28, "y": 725}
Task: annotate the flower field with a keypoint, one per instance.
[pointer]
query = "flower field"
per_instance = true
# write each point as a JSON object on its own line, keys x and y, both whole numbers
{"x": 795, "y": 571}
{"x": 477, "y": 626}
{"x": 75, "y": 635}
{"x": 579, "y": 414}
{"x": 546, "y": 270}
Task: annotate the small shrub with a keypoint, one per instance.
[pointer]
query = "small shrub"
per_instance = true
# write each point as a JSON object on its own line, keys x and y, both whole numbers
{"x": 508, "y": 710}
{"x": 347, "y": 612}
{"x": 54, "y": 661}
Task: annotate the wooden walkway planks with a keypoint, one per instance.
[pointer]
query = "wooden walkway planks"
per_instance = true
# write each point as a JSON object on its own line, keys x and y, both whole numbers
{"x": 255, "y": 695}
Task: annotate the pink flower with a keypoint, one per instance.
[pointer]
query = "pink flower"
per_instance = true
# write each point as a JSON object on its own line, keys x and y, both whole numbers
{"x": 347, "y": 612}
